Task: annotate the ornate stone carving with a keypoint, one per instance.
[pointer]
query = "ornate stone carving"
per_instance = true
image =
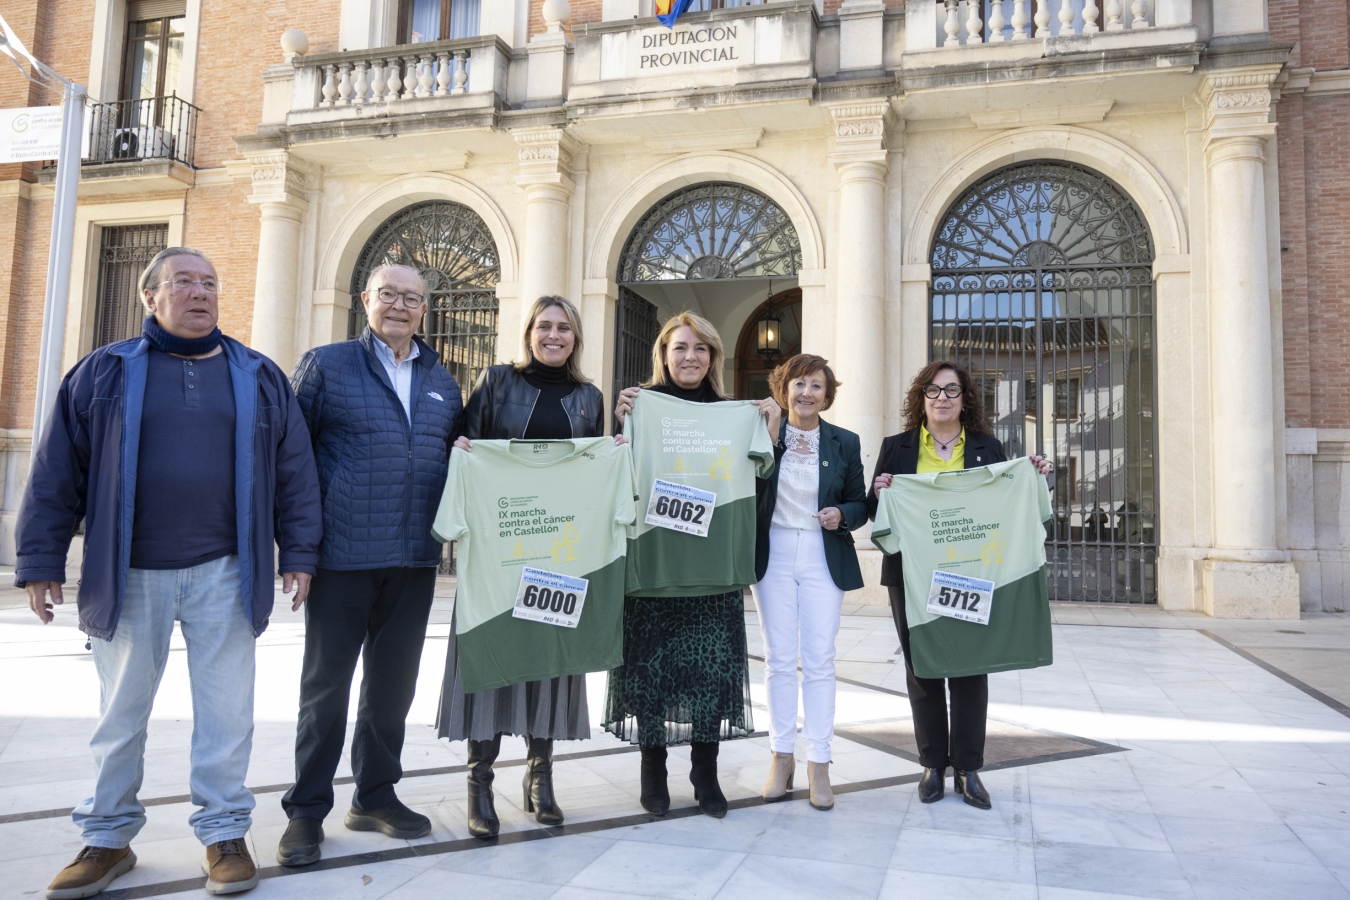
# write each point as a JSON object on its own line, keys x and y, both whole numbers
{"x": 1237, "y": 104}
{"x": 860, "y": 133}
{"x": 277, "y": 177}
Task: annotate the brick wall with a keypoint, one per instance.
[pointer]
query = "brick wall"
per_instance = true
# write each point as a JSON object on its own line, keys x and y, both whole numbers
{"x": 1314, "y": 159}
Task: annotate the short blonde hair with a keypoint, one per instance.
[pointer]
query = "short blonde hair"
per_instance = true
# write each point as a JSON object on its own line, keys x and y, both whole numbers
{"x": 570, "y": 310}
{"x": 706, "y": 333}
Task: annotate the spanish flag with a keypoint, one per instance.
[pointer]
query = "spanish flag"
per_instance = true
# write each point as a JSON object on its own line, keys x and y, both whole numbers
{"x": 670, "y": 10}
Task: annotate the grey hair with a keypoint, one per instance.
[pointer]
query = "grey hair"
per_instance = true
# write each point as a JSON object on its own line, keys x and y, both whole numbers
{"x": 385, "y": 267}
{"x": 150, "y": 277}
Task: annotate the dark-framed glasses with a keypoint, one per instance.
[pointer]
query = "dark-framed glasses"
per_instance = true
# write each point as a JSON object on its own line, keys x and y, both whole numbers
{"x": 411, "y": 299}
{"x": 183, "y": 283}
{"x": 933, "y": 391}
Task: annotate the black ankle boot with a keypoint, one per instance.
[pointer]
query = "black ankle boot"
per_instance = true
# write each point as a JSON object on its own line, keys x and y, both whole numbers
{"x": 703, "y": 775}
{"x": 655, "y": 792}
{"x": 483, "y": 822}
{"x": 538, "y": 782}
{"x": 931, "y": 785}
{"x": 971, "y": 789}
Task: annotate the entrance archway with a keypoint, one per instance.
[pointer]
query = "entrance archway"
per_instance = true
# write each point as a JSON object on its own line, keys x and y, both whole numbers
{"x": 709, "y": 248}
{"x": 453, "y": 249}
{"x": 1043, "y": 286}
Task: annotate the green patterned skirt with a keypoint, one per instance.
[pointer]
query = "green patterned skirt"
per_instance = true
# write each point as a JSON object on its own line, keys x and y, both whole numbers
{"x": 685, "y": 676}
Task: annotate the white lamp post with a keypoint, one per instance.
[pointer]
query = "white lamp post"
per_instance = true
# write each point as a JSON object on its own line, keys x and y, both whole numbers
{"x": 63, "y": 225}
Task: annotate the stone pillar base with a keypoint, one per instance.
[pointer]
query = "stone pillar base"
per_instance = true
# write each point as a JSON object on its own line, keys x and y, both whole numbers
{"x": 1250, "y": 590}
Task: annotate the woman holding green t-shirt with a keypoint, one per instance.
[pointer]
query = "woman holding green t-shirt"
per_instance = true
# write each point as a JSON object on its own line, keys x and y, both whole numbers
{"x": 685, "y": 678}
{"x": 945, "y": 429}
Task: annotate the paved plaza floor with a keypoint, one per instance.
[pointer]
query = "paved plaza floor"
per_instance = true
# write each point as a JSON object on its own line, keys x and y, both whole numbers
{"x": 1162, "y": 755}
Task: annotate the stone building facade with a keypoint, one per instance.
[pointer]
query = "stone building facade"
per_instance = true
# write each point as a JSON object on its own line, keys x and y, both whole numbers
{"x": 1125, "y": 216}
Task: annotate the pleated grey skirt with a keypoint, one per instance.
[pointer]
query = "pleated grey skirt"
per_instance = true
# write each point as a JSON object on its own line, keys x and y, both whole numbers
{"x": 555, "y": 708}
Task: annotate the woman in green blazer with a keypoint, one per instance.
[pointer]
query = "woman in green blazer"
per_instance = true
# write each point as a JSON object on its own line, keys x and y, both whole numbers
{"x": 804, "y": 561}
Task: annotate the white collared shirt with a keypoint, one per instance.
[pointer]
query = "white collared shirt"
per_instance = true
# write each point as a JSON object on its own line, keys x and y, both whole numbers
{"x": 400, "y": 373}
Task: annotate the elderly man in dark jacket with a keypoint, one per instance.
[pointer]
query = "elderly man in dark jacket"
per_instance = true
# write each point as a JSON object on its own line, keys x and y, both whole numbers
{"x": 382, "y": 412}
{"x": 187, "y": 457}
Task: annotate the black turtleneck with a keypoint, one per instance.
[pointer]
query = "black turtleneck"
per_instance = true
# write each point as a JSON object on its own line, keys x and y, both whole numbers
{"x": 704, "y": 393}
{"x": 549, "y": 421}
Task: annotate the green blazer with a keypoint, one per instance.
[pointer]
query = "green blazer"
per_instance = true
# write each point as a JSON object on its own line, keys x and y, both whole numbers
{"x": 841, "y": 485}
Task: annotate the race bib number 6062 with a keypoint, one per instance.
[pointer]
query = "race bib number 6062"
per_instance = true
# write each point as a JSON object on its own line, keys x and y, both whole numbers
{"x": 959, "y": 597}
{"x": 550, "y": 598}
{"x": 680, "y": 508}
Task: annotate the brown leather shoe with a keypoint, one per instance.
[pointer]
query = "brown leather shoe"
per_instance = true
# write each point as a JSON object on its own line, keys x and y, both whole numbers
{"x": 229, "y": 868}
{"x": 93, "y": 870}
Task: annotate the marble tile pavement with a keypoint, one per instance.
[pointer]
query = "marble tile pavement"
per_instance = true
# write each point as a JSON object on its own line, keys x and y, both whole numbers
{"x": 1162, "y": 755}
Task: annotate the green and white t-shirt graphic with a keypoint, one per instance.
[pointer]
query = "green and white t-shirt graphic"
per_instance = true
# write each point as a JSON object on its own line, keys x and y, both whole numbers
{"x": 559, "y": 509}
{"x": 705, "y": 448}
{"x": 958, "y": 531}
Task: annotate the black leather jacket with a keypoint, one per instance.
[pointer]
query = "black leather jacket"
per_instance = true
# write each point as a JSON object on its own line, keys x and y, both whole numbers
{"x": 502, "y": 402}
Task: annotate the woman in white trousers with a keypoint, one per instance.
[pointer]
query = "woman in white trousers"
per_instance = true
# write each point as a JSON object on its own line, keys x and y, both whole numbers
{"x": 805, "y": 561}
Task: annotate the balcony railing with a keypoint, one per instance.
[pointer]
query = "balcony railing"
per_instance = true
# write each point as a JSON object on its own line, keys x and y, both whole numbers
{"x": 965, "y": 22}
{"x": 393, "y": 75}
{"x": 149, "y": 129}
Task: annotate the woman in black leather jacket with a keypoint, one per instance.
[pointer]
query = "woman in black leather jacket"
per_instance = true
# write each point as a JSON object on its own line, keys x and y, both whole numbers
{"x": 544, "y": 397}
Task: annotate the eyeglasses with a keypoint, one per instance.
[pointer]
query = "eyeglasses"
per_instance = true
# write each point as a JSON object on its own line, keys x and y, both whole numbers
{"x": 210, "y": 285}
{"x": 933, "y": 391}
{"x": 411, "y": 300}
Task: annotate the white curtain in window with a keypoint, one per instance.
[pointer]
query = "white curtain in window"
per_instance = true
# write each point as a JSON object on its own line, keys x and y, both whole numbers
{"x": 464, "y": 18}
{"x": 426, "y": 21}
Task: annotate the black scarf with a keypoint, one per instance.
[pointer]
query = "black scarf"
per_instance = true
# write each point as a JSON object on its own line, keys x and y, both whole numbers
{"x": 704, "y": 393}
{"x": 164, "y": 342}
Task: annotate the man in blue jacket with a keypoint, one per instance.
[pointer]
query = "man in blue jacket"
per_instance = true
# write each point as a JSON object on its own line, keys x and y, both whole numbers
{"x": 382, "y": 412}
{"x": 185, "y": 453}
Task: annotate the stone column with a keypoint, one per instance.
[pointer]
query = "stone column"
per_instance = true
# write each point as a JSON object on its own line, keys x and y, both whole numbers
{"x": 860, "y": 264}
{"x": 545, "y": 158}
{"x": 279, "y": 192}
{"x": 1245, "y": 575}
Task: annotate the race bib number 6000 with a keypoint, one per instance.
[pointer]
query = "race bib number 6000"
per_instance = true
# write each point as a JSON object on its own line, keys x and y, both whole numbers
{"x": 680, "y": 508}
{"x": 550, "y": 598}
{"x": 959, "y": 597}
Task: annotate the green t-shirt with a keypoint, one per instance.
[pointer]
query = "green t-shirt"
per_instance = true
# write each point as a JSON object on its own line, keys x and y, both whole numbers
{"x": 986, "y": 523}
{"x": 715, "y": 447}
{"x": 558, "y": 506}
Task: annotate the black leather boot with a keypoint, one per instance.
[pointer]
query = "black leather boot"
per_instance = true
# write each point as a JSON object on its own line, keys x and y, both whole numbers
{"x": 538, "y": 782}
{"x": 703, "y": 775}
{"x": 655, "y": 792}
{"x": 483, "y": 822}
{"x": 932, "y": 784}
{"x": 969, "y": 786}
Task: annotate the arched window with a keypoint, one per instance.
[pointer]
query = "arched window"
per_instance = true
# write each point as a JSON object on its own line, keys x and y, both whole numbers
{"x": 1043, "y": 286}
{"x": 451, "y": 246}
{"x": 708, "y": 231}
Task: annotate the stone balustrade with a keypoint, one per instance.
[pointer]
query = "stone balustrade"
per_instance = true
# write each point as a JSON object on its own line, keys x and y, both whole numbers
{"x": 397, "y": 75}
{"x": 962, "y": 22}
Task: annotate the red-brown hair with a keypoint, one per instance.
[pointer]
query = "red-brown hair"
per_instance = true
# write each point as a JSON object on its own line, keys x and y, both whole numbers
{"x": 800, "y": 366}
{"x": 973, "y": 417}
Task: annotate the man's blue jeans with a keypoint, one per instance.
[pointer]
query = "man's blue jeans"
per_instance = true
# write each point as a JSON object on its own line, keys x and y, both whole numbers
{"x": 207, "y": 600}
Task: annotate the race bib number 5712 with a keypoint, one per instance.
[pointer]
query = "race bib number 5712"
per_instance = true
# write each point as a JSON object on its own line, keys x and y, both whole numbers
{"x": 680, "y": 508}
{"x": 550, "y": 598}
{"x": 959, "y": 597}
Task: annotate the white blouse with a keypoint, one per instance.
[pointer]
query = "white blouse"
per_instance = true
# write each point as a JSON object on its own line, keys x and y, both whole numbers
{"x": 799, "y": 481}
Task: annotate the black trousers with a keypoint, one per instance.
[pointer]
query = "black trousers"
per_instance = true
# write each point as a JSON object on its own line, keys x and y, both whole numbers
{"x": 962, "y": 745}
{"x": 381, "y": 616}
